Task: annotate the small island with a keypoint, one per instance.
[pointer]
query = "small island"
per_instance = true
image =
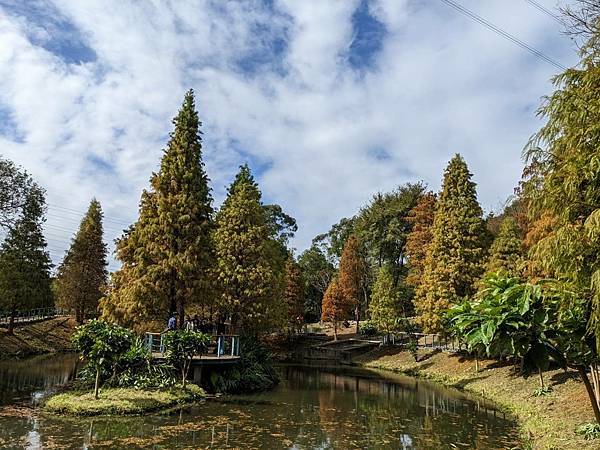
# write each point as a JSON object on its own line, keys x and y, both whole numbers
{"x": 122, "y": 401}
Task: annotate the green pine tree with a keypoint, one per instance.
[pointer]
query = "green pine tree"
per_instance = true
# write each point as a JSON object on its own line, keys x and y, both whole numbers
{"x": 24, "y": 261}
{"x": 384, "y": 302}
{"x": 82, "y": 275}
{"x": 244, "y": 274}
{"x": 506, "y": 252}
{"x": 454, "y": 259}
{"x": 167, "y": 254}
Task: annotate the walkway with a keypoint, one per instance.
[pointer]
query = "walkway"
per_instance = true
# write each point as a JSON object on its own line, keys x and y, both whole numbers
{"x": 32, "y": 315}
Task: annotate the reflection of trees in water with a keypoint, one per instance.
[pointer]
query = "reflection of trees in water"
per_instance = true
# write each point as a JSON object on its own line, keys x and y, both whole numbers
{"x": 35, "y": 373}
{"x": 310, "y": 410}
{"x": 399, "y": 414}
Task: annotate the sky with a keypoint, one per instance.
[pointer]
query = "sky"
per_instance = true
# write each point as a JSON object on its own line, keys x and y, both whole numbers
{"x": 329, "y": 102}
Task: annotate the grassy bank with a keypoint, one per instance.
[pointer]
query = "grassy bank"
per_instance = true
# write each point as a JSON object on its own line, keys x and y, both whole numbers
{"x": 47, "y": 336}
{"x": 548, "y": 422}
{"x": 121, "y": 401}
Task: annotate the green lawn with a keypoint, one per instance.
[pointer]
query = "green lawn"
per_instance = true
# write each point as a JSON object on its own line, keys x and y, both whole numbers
{"x": 121, "y": 400}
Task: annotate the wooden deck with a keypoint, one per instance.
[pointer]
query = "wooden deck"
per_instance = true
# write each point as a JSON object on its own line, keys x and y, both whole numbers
{"x": 204, "y": 360}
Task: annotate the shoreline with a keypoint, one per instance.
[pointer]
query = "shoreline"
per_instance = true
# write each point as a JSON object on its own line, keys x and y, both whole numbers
{"x": 546, "y": 422}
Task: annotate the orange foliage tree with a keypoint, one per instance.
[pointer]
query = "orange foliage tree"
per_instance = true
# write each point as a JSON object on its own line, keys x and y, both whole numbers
{"x": 335, "y": 305}
{"x": 352, "y": 275}
{"x": 418, "y": 240}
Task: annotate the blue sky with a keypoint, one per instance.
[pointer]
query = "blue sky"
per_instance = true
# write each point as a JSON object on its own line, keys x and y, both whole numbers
{"x": 328, "y": 101}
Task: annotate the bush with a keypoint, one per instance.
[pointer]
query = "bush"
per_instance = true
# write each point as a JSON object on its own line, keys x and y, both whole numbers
{"x": 254, "y": 372}
{"x": 102, "y": 344}
{"x": 134, "y": 368}
{"x": 589, "y": 431}
{"x": 367, "y": 329}
{"x": 181, "y": 346}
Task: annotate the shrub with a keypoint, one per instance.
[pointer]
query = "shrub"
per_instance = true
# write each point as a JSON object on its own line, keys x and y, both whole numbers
{"x": 368, "y": 329}
{"x": 181, "y": 346}
{"x": 102, "y": 345}
{"x": 254, "y": 372}
{"x": 589, "y": 431}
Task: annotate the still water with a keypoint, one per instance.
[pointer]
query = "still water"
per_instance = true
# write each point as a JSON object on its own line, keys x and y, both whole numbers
{"x": 312, "y": 408}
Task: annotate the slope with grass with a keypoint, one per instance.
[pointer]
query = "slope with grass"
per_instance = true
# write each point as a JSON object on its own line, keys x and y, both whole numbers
{"x": 548, "y": 422}
{"x": 47, "y": 336}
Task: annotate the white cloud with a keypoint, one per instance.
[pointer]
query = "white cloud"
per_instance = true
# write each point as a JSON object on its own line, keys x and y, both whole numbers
{"x": 440, "y": 84}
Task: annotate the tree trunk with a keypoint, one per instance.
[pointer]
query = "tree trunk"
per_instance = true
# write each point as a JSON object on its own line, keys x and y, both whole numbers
{"x": 11, "y": 323}
{"x": 590, "y": 391}
{"x": 97, "y": 384}
{"x": 183, "y": 375}
{"x": 357, "y": 315}
{"x": 595, "y": 374}
{"x": 334, "y": 330}
{"x": 78, "y": 315}
{"x": 541, "y": 374}
{"x": 180, "y": 312}
{"x": 476, "y": 363}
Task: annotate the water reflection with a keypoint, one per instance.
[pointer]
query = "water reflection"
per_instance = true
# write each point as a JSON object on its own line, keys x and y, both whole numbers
{"x": 33, "y": 378}
{"x": 312, "y": 409}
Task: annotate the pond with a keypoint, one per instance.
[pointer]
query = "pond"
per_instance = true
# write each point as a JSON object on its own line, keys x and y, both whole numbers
{"x": 313, "y": 408}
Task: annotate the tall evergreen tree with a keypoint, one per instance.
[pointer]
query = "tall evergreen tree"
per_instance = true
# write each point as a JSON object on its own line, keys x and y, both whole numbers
{"x": 167, "y": 254}
{"x": 419, "y": 238}
{"x": 82, "y": 276}
{"x": 24, "y": 261}
{"x": 506, "y": 252}
{"x": 293, "y": 295}
{"x": 352, "y": 274}
{"x": 384, "y": 302}
{"x": 15, "y": 184}
{"x": 455, "y": 257}
{"x": 244, "y": 274}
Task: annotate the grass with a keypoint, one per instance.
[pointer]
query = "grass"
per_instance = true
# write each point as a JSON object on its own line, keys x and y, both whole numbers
{"x": 47, "y": 336}
{"x": 548, "y": 421}
{"x": 121, "y": 401}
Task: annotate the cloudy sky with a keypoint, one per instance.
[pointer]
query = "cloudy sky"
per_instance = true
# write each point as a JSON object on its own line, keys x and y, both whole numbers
{"x": 328, "y": 101}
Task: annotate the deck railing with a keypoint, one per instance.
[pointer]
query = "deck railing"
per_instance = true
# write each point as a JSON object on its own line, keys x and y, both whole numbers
{"x": 32, "y": 315}
{"x": 434, "y": 341}
{"x": 220, "y": 344}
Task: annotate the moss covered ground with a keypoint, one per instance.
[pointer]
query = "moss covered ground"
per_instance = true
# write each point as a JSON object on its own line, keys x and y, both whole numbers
{"x": 121, "y": 401}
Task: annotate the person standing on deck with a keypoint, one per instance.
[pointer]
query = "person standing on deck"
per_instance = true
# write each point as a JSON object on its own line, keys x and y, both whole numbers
{"x": 171, "y": 323}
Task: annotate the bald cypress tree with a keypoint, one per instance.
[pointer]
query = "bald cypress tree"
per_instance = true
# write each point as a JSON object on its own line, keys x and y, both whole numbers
{"x": 506, "y": 252}
{"x": 454, "y": 259}
{"x": 421, "y": 219}
{"x": 244, "y": 275}
{"x": 82, "y": 275}
{"x": 293, "y": 294}
{"x": 351, "y": 275}
{"x": 24, "y": 261}
{"x": 335, "y": 305}
{"x": 167, "y": 253}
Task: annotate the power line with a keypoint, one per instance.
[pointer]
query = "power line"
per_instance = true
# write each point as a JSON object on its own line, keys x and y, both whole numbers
{"x": 546, "y": 11}
{"x": 123, "y": 222}
{"x": 504, "y": 34}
